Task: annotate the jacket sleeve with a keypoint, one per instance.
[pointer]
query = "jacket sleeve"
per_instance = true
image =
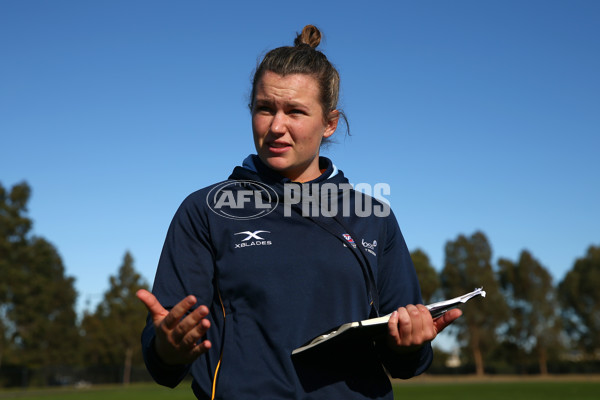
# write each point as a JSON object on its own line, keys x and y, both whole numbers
{"x": 398, "y": 286}
{"x": 163, "y": 374}
{"x": 185, "y": 267}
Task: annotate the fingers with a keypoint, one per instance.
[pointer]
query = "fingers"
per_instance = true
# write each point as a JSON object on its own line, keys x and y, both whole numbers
{"x": 174, "y": 316}
{"x": 428, "y": 327}
{"x": 178, "y": 336}
{"x": 181, "y": 344}
{"x": 411, "y": 326}
{"x": 200, "y": 349}
{"x": 152, "y": 304}
{"x": 192, "y": 327}
{"x": 446, "y": 319}
{"x": 187, "y": 334}
{"x": 160, "y": 315}
{"x": 406, "y": 326}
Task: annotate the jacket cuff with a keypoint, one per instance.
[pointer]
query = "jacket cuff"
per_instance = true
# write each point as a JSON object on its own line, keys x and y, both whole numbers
{"x": 164, "y": 374}
{"x": 405, "y": 366}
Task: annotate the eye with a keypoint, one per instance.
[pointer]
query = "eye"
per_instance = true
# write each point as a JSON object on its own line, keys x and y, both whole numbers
{"x": 297, "y": 111}
{"x": 262, "y": 109}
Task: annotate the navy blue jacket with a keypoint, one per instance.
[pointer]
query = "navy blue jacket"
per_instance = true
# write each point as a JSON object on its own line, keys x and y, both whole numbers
{"x": 275, "y": 281}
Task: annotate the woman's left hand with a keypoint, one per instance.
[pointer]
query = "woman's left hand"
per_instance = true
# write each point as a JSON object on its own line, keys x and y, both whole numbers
{"x": 411, "y": 326}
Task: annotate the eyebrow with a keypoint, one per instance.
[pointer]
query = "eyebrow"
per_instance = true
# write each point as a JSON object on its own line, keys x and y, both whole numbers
{"x": 270, "y": 101}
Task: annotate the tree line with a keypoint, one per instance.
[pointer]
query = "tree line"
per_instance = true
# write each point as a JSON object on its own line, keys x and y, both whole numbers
{"x": 525, "y": 324}
{"x": 42, "y": 339}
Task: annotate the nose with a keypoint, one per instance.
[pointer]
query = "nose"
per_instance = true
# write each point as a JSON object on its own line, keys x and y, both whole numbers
{"x": 278, "y": 124}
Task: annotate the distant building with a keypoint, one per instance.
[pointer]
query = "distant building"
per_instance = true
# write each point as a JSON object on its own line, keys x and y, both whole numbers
{"x": 454, "y": 360}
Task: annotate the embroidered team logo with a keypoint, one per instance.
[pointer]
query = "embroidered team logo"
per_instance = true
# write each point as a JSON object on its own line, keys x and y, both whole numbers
{"x": 349, "y": 239}
{"x": 252, "y": 239}
{"x": 370, "y": 247}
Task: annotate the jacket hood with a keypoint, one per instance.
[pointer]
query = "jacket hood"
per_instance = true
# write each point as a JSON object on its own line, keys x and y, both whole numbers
{"x": 253, "y": 169}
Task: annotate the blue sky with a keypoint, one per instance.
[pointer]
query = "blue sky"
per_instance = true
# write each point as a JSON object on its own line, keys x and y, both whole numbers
{"x": 480, "y": 115}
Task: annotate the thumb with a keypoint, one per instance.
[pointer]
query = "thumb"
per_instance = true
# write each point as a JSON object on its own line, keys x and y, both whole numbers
{"x": 446, "y": 319}
{"x": 154, "y": 307}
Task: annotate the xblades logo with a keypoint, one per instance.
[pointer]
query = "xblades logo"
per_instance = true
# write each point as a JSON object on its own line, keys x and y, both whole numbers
{"x": 252, "y": 235}
{"x": 252, "y": 239}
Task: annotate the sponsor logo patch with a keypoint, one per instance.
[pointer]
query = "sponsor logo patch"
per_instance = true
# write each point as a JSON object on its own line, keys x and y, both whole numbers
{"x": 370, "y": 247}
{"x": 252, "y": 239}
{"x": 349, "y": 239}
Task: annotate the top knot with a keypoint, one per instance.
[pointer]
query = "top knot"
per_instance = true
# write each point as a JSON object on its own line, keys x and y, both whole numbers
{"x": 310, "y": 36}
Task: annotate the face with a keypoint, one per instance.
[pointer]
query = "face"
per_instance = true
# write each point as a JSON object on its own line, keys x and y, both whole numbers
{"x": 288, "y": 124}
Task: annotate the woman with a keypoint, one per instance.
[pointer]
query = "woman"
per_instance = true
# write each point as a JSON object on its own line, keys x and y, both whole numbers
{"x": 236, "y": 293}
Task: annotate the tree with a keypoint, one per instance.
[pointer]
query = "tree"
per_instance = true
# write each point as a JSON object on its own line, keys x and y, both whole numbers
{"x": 37, "y": 300}
{"x": 13, "y": 229}
{"x": 429, "y": 279}
{"x": 112, "y": 332}
{"x": 43, "y": 309}
{"x": 14, "y": 226}
{"x": 533, "y": 326}
{"x": 580, "y": 297}
{"x": 468, "y": 266}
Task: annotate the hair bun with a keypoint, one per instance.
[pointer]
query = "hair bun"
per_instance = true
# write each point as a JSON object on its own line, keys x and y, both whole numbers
{"x": 310, "y": 36}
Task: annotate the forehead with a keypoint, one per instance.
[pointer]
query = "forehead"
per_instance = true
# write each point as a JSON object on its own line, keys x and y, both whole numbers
{"x": 293, "y": 87}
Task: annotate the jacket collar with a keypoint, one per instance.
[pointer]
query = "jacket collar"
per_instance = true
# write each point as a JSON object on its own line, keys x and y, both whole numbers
{"x": 253, "y": 164}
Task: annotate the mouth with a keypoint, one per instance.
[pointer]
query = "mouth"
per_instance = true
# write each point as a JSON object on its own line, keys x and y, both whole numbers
{"x": 278, "y": 148}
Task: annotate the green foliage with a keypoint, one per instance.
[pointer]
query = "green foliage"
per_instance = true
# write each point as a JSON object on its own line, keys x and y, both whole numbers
{"x": 112, "y": 332}
{"x": 468, "y": 266}
{"x": 43, "y": 308}
{"x": 534, "y": 325}
{"x": 580, "y": 296}
{"x": 428, "y": 276}
{"x": 36, "y": 298}
{"x": 14, "y": 225}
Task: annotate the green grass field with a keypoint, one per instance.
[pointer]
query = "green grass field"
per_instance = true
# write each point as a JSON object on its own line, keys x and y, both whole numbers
{"x": 429, "y": 390}
{"x": 148, "y": 391}
{"x": 499, "y": 391}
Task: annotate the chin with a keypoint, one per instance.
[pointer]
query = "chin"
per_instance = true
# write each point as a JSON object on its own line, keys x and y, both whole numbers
{"x": 276, "y": 163}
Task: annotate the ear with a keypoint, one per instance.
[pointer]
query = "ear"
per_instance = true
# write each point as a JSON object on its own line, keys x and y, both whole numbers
{"x": 332, "y": 123}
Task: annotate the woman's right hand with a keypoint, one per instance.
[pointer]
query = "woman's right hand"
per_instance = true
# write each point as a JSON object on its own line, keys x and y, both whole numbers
{"x": 177, "y": 340}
